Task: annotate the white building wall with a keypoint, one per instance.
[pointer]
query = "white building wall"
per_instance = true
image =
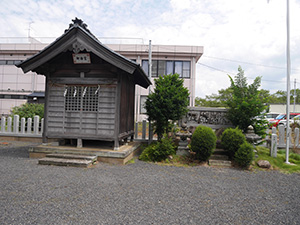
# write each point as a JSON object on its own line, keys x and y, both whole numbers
{"x": 281, "y": 108}
{"x": 14, "y": 81}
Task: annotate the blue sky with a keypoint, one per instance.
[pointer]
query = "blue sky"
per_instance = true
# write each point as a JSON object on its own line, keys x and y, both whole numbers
{"x": 250, "y": 33}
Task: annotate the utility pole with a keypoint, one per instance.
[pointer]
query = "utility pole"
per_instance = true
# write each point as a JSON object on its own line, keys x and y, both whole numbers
{"x": 288, "y": 82}
{"x": 295, "y": 96}
{"x": 150, "y": 64}
{"x": 150, "y": 73}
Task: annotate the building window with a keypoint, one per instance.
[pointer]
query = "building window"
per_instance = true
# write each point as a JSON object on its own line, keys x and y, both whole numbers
{"x": 186, "y": 69}
{"x": 162, "y": 67}
{"x": 9, "y": 62}
{"x": 170, "y": 67}
{"x": 143, "y": 99}
{"x": 81, "y": 98}
{"x": 145, "y": 66}
{"x": 12, "y": 96}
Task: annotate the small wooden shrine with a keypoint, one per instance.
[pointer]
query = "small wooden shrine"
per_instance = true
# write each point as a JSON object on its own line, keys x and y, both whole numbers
{"x": 90, "y": 89}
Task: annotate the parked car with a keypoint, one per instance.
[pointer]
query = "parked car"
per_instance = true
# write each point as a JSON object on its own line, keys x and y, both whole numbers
{"x": 296, "y": 119}
{"x": 271, "y": 115}
{"x": 276, "y": 121}
{"x": 267, "y": 116}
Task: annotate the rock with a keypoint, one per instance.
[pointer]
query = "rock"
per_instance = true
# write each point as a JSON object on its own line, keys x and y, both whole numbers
{"x": 264, "y": 164}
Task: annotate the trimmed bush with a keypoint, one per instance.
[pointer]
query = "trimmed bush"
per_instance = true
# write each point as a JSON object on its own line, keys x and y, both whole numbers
{"x": 231, "y": 140}
{"x": 244, "y": 155}
{"x": 203, "y": 142}
{"x": 159, "y": 151}
{"x": 28, "y": 110}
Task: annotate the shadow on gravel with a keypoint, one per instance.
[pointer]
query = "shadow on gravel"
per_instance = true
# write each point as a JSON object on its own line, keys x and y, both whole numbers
{"x": 15, "y": 152}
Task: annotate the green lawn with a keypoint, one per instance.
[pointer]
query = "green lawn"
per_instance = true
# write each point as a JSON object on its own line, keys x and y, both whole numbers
{"x": 278, "y": 163}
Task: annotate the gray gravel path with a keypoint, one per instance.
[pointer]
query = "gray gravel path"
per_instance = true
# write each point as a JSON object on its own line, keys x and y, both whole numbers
{"x": 142, "y": 193}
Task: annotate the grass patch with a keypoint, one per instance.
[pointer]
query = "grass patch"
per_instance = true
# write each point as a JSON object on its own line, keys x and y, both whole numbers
{"x": 278, "y": 163}
{"x": 131, "y": 161}
{"x": 181, "y": 161}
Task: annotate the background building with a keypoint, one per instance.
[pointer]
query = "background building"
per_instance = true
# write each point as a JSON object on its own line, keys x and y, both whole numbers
{"x": 15, "y": 86}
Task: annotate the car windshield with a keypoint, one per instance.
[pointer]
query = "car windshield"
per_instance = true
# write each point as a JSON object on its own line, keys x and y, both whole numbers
{"x": 280, "y": 117}
{"x": 292, "y": 116}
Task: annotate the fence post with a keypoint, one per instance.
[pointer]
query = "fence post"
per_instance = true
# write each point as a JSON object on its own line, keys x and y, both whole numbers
{"x": 42, "y": 125}
{"x": 29, "y": 125}
{"x": 36, "y": 124}
{"x": 281, "y": 135}
{"x": 16, "y": 124}
{"x": 3, "y": 124}
{"x": 136, "y": 130}
{"x": 274, "y": 145}
{"x": 290, "y": 132}
{"x": 296, "y": 137}
{"x": 9, "y": 122}
{"x": 22, "y": 125}
{"x": 144, "y": 129}
{"x": 150, "y": 138}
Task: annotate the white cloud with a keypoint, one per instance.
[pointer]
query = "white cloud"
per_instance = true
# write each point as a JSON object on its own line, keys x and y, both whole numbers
{"x": 248, "y": 31}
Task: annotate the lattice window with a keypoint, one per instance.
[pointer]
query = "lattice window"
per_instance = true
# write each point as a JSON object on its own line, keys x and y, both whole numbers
{"x": 90, "y": 99}
{"x": 81, "y": 98}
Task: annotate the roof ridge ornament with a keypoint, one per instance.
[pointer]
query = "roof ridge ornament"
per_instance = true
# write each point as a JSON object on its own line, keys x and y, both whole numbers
{"x": 78, "y": 22}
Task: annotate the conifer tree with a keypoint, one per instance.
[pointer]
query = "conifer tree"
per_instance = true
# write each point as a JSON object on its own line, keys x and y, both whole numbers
{"x": 167, "y": 103}
{"x": 246, "y": 103}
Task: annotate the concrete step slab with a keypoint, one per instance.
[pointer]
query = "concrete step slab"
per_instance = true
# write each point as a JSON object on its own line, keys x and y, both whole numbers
{"x": 219, "y": 157}
{"x": 73, "y": 156}
{"x": 65, "y": 162}
{"x": 223, "y": 163}
{"x": 219, "y": 151}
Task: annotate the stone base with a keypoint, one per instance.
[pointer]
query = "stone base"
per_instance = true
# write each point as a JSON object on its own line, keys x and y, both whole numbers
{"x": 120, "y": 157}
{"x": 183, "y": 151}
{"x": 23, "y": 138}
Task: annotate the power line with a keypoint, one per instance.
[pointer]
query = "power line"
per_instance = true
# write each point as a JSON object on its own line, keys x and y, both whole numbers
{"x": 254, "y": 64}
{"x": 233, "y": 74}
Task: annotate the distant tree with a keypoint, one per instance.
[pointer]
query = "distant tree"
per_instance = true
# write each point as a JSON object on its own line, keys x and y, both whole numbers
{"x": 246, "y": 103}
{"x": 278, "y": 97}
{"x": 215, "y": 100}
{"x": 167, "y": 103}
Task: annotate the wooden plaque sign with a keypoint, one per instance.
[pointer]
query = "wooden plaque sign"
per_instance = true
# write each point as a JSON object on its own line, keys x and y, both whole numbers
{"x": 81, "y": 58}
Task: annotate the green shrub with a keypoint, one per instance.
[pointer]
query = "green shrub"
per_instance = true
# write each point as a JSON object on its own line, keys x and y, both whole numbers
{"x": 29, "y": 110}
{"x": 244, "y": 155}
{"x": 159, "y": 151}
{"x": 203, "y": 142}
{"x": 231, "y": 140}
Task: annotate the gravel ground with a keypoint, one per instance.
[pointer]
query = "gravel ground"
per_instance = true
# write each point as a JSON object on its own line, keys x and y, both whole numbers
{"x": 141, "y": 193}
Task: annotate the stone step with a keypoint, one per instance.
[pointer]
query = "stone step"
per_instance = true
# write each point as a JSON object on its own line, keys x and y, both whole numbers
{"x": 219, "y": 157}
{"x": 65, "y": 162}
{"x": 219, "y": 151}
{"x": 73, "y": 156}
{"x": 222, "y": 163}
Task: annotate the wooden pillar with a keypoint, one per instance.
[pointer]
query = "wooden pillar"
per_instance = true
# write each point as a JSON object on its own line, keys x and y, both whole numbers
{"x": 46, "y": 105}
{"x": 79, "y": 143}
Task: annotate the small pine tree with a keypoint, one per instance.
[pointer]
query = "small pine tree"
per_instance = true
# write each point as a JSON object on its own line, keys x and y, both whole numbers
{"x": 246, "y": 103}
{"x": 168, "y": 102}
